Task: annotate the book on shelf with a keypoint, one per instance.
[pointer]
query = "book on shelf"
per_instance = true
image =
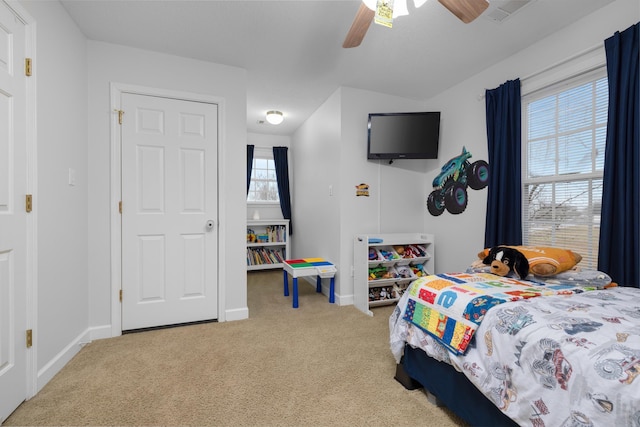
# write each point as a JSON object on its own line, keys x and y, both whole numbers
{"x": 276, "y": 233}
{"x": 271, "y": 234}
{"x": 259, "y": 256}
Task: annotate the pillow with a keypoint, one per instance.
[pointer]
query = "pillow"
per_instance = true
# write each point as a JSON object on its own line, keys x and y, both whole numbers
{"x": 545, "y": 261}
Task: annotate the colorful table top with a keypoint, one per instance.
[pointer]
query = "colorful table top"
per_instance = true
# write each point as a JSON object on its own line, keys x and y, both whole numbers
{"x": 310, "y": 267}
{"x": 307, "y": 262}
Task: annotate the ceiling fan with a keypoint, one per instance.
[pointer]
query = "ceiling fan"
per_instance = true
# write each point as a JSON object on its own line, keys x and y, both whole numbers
{"x": 465, "y": 10}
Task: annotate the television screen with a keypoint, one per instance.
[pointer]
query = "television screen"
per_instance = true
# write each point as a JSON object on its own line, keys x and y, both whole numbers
{"x": 403, "y": 135}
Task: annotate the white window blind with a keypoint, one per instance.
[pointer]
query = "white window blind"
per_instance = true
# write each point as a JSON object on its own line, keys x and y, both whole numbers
{"x": 564, "y": 139}
{"x": 264, "y": 184}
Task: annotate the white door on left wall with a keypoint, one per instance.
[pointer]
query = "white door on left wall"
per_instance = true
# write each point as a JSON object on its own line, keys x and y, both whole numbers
{"x": 169, "y": 211}
{"x": 13, "y": 217}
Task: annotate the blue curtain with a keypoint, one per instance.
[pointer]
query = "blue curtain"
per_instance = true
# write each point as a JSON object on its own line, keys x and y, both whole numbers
{"x": 618, "y": 253}
{"x": 504, "y": 195}
{"x": 281, "y": 161}
{"x": 249, "y": 164}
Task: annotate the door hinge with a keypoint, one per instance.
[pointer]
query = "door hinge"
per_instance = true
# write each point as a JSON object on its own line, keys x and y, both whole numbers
{"x": 120, "y": 206}
{"x": 28, "y": 203}
{"x": 120, "y": 114}
{"x": 120, "y": 295}
{"x": 27, "y": 67}
{"x": 29, "y": 338}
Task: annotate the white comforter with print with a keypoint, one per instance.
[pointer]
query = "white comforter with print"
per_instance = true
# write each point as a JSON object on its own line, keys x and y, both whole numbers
{"x": 551, "y": 361}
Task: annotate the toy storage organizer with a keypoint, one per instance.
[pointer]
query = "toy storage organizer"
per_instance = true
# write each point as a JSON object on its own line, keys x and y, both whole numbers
{"x": 385, "y": 265}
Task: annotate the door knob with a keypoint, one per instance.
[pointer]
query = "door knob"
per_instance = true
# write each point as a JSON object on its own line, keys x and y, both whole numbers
{"x": 209, "y": 225}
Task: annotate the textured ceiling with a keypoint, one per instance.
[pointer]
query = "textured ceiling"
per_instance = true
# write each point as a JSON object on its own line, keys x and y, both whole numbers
{"x": 292, "y": 50}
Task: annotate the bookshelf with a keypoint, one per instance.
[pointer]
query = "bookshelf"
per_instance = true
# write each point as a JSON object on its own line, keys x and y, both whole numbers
{"x": 267, "y": 243}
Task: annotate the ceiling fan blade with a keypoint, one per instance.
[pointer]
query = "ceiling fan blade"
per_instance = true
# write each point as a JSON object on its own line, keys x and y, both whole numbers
{"x": 359, "y": 27}
{"x": 466, "y": 10}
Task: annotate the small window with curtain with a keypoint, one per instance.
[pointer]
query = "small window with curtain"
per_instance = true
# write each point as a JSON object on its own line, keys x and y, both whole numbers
{"x": 564, "y": 136}
{"x": 264, "y": 185}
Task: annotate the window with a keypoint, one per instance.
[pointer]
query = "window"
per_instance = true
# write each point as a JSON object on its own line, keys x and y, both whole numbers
{"x": 564, "y": 136}
{"x": 264, "y": 184}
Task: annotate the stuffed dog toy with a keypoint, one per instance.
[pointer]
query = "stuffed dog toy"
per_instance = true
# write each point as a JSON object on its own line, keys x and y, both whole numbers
{"x": 503, "y": 259}
{"x": 543, "y": 261}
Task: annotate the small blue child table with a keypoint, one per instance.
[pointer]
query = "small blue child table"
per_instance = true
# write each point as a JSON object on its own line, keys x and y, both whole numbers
{"x": 318, "y": 267}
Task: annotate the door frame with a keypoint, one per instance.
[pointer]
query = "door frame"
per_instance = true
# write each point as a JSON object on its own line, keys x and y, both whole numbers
{"x": 116, "y": 90}
{"x": 31, "y": 284}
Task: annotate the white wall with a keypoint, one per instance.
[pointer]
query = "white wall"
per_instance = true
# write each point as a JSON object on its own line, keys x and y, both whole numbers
{"x": 60, "y": 69}
{"x": 315, "y": 158}
{"x": 73, "y": 227}
{"x": 112, "y": 63}
{"x": 460, "y": 237}
{"x": 330, "y": 160}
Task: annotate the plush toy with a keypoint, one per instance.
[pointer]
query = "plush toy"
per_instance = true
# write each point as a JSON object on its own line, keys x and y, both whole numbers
{"x": 379, "y": 272}
{"x": 418, "y": 270}
{"x": 544, "y": 261}
{"x": 504, "y": 259}
{"x": 388, "y": 255}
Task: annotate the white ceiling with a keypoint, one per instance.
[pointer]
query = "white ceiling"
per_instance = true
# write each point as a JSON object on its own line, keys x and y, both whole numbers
{"x": 292, "y": 50}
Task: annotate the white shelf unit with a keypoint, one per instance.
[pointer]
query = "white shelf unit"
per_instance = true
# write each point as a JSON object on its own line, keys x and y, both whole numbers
{"x": 399, "y": 271}
{"x": 271, "y": 246}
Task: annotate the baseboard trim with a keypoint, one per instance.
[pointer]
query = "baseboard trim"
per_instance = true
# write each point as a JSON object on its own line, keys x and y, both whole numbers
{"x": 237, "y": 314}
{"x": 344, "y": 299}
{"x": 58, "y": 362}
{"x": 100, "y": 332}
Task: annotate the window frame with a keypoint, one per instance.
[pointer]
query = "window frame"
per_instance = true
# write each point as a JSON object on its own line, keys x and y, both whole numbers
{"x": 588, "y": 178}
{"x": 263, "y": 153}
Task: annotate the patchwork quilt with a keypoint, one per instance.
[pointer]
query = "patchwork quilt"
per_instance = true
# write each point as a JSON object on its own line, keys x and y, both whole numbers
{"x": 451, "y": 306}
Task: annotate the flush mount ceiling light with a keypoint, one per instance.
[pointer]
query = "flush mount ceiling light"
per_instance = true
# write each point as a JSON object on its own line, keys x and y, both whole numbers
{"x": 275, "y": 117}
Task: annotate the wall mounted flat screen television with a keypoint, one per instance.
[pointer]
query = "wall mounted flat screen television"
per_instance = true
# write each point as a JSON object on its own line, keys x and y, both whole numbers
{"x": 403, "y": 135}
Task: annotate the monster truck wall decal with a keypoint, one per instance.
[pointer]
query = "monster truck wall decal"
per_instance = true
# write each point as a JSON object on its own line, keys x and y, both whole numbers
{"x": 450, "y": 186}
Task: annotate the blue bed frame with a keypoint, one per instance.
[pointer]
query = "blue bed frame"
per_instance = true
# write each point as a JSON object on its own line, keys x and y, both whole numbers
{"x": 450, "y": 388}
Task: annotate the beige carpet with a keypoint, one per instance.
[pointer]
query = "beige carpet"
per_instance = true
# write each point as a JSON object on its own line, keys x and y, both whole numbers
{"x": 319, "y": 365}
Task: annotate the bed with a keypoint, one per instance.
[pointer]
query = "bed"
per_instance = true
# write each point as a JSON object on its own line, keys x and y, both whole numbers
{"x": 559, "y": 351}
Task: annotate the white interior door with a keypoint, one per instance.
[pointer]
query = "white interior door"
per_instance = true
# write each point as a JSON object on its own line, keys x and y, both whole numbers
{"x": 13, "y": 220}
{"x": 169, "y": 213}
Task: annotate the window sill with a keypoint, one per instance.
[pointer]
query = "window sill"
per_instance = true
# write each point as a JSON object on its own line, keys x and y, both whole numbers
{"x": 264, "y": 204}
